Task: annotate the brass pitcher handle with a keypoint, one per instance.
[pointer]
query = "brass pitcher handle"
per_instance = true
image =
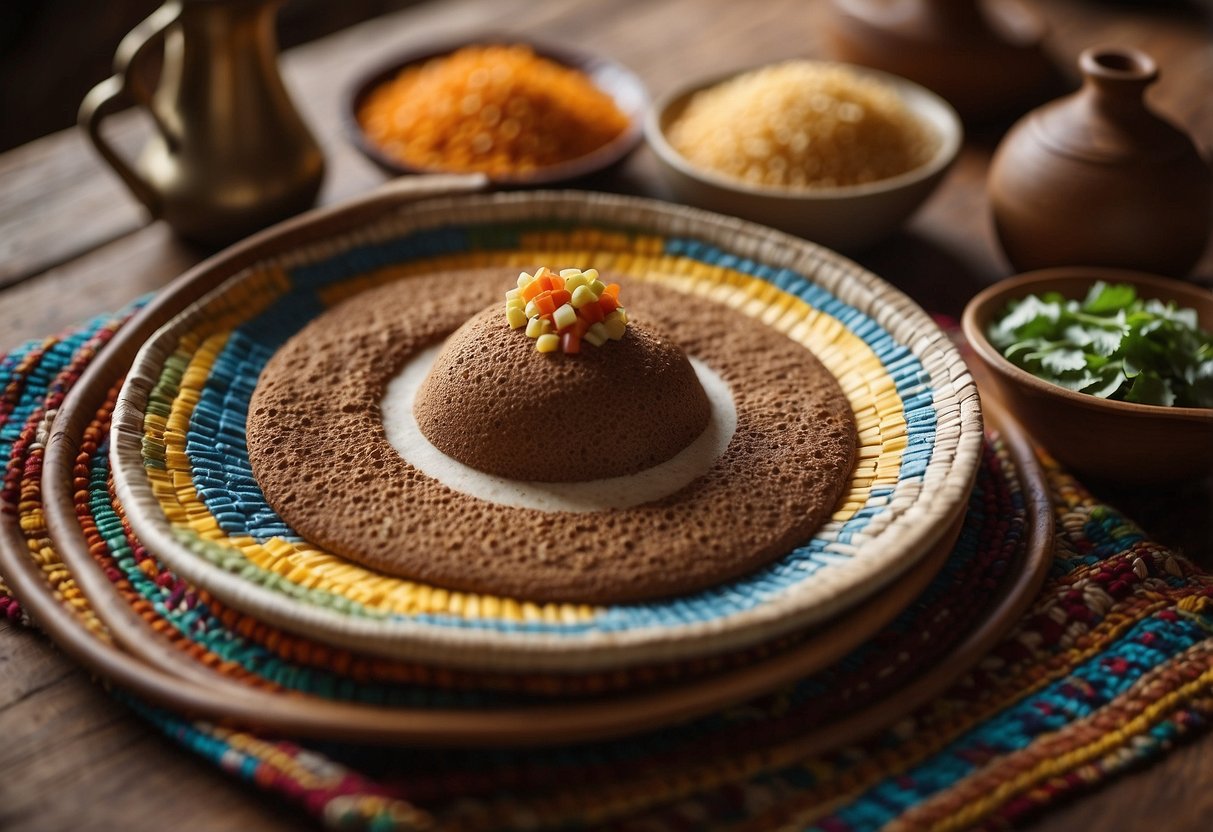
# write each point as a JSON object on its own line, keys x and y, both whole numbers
{"x": 122, "y": 87}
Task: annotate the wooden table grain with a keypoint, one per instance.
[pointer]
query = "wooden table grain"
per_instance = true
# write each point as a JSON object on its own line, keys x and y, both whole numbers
{"x": 73, "y": 244}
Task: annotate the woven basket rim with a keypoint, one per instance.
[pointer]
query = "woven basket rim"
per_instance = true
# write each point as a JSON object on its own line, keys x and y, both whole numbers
{"x": 947, "y": 479}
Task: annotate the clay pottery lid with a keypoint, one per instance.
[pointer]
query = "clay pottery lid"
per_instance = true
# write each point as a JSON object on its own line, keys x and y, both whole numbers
{"x": 985, "y": 58}
{"x": 1099, "y": 178}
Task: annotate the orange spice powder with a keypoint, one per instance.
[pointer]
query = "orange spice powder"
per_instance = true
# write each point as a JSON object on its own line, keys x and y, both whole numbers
{"x": 495, "y": 109}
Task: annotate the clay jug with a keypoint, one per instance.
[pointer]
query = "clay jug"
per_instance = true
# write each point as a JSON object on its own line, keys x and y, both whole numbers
{"x": 229, "y": 154}
{"x": 983, "y": 56}
{"x": 1097, "y": 178}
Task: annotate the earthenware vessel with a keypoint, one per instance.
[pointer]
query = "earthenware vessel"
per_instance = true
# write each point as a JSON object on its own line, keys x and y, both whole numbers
{"x": 229, "y": 153}
{"x": 983, "y": 56}
{"x": 1098, "y": 178}
{"x": 1112, "y": 441}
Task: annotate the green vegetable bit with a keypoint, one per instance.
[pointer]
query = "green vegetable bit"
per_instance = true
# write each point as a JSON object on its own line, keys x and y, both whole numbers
{"x": 1112, "y": 344}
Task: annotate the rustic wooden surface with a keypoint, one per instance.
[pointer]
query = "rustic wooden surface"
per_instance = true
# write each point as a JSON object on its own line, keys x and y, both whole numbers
{"x": 72, "y": 244}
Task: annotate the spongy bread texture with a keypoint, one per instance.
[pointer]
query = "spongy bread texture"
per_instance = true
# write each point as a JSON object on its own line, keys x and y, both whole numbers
{"x": 495, "y": 403}
{"x": 319, "y": 451}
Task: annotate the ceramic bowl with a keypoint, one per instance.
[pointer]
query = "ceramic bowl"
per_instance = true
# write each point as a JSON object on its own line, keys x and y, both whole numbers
{"x": 616, "y": 80}
{"x": 1122, "y": 442}
{"x": 846, "y": 218}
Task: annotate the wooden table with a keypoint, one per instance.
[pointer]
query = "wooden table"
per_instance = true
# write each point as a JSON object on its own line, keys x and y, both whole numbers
{"x": 73, "y": 243}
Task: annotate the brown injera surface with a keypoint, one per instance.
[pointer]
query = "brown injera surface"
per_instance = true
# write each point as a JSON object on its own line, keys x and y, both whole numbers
{"x": 495, "y": 403}
{"x": 319, "y": 452}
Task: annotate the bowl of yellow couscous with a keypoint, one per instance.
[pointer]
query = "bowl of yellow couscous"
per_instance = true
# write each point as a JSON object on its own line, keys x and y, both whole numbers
{"x": 838, "y": 154}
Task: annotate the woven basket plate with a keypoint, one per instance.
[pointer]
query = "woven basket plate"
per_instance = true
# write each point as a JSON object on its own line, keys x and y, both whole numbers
{"x": 181, "y": 465}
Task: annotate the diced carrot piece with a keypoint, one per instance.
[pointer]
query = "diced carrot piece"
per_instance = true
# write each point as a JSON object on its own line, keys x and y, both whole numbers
{"x": 546, "y": 283}
{"x": 557, "y": 282}
{"x": 580, "y": 326}
{"x": 612, "y": 289}
{"x": 591, "y": 312}
{"x": 545, "y": 304}
{"x": 561, "y": 296}
{"x": 570, "y": 342}
{"x": 531, "y": 290}
{"x": 609, "y": 303}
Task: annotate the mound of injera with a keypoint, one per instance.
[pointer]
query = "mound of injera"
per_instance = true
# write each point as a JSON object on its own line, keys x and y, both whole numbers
{"x": 318, "y": 450}
{"x": 495, "y": 403}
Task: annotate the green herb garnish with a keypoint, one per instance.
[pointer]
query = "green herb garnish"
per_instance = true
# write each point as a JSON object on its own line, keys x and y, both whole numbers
{"x": 1112, "y": 345}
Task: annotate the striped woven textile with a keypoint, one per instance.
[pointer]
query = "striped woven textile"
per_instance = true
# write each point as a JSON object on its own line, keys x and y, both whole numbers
{"x": 1112, "y": 663}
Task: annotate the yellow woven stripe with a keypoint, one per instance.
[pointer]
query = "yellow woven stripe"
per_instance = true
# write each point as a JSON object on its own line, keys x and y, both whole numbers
{"x": 54, "y": 572}
{"x": 172, "y": 485}
{"x": 314, "y": 568}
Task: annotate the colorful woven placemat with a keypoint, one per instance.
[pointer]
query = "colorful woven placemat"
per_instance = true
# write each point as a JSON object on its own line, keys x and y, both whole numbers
{"x": 1110, "y": 665}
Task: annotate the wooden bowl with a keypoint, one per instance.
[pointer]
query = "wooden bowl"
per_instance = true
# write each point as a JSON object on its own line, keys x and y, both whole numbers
{"x": 616, "y": 80}
{"x": 846, "y": 218}
{"x": 1137, "y": 444}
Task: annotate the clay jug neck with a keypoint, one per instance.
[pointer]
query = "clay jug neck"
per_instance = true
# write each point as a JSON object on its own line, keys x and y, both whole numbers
{"x": 1115, "y": 80}
{"x": 1108, "y": 121}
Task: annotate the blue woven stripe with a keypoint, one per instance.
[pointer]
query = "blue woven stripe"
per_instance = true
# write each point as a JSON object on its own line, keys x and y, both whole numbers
{"x": 216, "y": 444}
{"x": 37, "y": 379}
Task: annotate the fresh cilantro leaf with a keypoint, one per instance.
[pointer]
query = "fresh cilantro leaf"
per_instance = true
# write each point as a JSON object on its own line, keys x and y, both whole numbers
{"x": 1094, "y": 339}
{"x": 1110, "y": 380}
{"x": 1148, "y": 388}
{"x": 1063, "y": 360}
{"x": 1078, "y": 382}
{"x": 1028, "y": 319}
{"x": 1170, "y": 312}
{"x": 1104, "y": 298}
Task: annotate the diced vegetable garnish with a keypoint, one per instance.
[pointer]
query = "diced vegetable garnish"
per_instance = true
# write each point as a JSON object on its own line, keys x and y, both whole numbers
{"x": 561, "y": 310}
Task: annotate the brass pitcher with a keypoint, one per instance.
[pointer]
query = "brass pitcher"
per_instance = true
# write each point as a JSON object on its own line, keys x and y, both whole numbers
{"x": 229, "y": 154}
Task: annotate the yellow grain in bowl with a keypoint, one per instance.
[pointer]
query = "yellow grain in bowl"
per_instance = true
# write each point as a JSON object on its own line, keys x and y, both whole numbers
{"x": 802, "y": 124}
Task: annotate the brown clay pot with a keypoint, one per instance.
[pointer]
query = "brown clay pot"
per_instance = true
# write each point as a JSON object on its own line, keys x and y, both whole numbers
{"x": 983, "y": 56}
{"x": 1097, "y": 178}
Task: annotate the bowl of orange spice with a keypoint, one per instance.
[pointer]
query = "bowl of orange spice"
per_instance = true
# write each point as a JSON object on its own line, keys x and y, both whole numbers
{"x": 519, "y": 112}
